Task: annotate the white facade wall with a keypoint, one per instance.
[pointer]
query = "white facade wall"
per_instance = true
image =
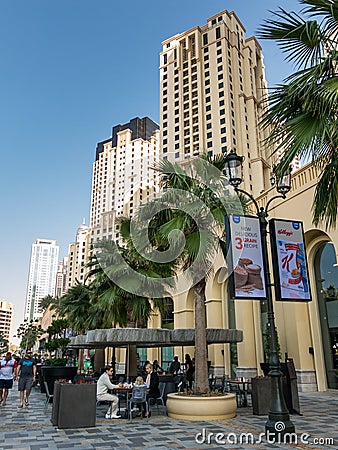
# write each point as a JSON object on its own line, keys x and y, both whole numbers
{"x": 42, "y": 275}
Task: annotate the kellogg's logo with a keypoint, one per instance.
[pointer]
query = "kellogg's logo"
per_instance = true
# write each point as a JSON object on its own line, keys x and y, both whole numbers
{"x": 285, "y": 232}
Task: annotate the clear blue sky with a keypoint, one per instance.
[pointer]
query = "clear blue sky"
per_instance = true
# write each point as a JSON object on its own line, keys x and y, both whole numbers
{"x": 70, "y": 70}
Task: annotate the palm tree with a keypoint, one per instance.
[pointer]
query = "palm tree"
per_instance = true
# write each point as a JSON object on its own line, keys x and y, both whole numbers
{"x": 122, "y": 290}
{"x": 193, "y": 206}
{"x": 303, "y": 110}
{"x": 75, "y": 305}
{"x": 48, "y": 301}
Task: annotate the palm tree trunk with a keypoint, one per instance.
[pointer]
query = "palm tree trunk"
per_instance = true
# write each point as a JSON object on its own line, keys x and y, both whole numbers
{"x": 201, "y": 361}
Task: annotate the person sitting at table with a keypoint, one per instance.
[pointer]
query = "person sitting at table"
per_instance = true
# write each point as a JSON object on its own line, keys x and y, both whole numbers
{"x": 175, "y": 366}
{"x": 102, "y": 394}
{"x": 152, "y": 381}
{"x": 156, "y": 367}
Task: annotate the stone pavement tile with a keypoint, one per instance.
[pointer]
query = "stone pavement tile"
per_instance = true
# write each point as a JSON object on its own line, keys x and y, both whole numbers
{"x": 31, "y": 428}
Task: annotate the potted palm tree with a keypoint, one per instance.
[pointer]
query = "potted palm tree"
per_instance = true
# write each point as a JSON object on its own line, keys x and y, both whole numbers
{"x": 193, "y": 206}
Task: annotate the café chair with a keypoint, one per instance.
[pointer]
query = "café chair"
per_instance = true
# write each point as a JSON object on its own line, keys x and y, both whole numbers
{"x": 158, "y": 400}
{"x": 234, "y": 388}
{"x": 49, "y": 396}
{"x": 138, "y": 397}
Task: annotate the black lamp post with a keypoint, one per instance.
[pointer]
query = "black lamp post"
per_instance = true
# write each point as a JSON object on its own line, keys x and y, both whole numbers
{"x": 278, "y": 422}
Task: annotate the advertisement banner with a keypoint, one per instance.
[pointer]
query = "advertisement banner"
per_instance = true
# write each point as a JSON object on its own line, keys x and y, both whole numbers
{"x": 245, "y": 260}
{"x": 289, "y": 260}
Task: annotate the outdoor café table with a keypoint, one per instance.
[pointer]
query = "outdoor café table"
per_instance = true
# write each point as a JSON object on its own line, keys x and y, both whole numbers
{"x": 123, "y": 391}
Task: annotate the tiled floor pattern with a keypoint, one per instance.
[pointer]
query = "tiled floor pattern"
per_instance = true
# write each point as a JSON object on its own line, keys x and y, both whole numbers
{"x": 30, "y": 428}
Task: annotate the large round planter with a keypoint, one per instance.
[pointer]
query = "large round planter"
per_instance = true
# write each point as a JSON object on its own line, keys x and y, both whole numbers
{"x": 191, "y": 407}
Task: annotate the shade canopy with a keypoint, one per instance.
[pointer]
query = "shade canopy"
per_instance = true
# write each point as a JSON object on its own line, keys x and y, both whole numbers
{"x": 151, "y": 337}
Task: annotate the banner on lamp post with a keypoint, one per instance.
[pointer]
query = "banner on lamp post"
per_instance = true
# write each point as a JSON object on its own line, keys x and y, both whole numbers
{"x": 245, "y": 259}
{"x": 290, "y": 266}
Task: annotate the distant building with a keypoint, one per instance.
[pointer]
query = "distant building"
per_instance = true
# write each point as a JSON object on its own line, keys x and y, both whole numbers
{"x": 42, "y": 275}
{"x": 61, "y": 278}
{"x": 6, "y": 319}
{"x": 122, "y": 175}
{"x": 78, "y": 257}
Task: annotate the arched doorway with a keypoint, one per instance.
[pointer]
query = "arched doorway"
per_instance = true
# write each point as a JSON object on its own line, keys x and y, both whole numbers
{"x": 327, "y": 293}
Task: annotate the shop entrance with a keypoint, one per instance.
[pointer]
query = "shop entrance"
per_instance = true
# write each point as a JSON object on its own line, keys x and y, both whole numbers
{"x": 327, "y": 293}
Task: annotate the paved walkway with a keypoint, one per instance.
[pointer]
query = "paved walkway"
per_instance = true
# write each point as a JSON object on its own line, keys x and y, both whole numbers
{"x": 31, "y": 428}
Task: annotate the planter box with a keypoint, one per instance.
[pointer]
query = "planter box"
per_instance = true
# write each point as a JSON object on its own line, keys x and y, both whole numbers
{"x": 74, "y": 405}
{"x": 261, "y": 395}
{"x": 54, "y": 373}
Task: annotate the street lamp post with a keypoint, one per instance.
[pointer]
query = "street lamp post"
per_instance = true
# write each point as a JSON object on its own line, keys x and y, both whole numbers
{"x": 278, "y": 422}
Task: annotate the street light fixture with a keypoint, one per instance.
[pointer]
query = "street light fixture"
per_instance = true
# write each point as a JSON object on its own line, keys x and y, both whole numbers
{"x": 278, "y": 421}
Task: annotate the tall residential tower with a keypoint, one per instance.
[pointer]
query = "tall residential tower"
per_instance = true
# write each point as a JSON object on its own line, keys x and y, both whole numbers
{"x": 122, "y": 174}
{"x": 42, "y": 275}
{"x": 211, "y": 84}
{"x": 6, "y": 319}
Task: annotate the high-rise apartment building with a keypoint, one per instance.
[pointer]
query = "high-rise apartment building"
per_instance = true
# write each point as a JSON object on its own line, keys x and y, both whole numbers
{"x": 122, "y": 174}
{"x": 6, "y": 319}
{"x": 211, "y": 84}
{"x": 61, "y": 278}
{"x": 42, "y": 275}
{"x": 78, "y": 257}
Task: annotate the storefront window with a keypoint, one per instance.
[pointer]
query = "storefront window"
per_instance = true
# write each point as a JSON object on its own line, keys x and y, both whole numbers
{"x": 327, "y": 294}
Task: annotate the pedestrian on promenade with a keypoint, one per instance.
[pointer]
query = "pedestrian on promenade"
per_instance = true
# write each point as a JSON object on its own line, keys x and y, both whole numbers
{"x": 102, "y": 387}
{"x": 27, "y": 375}
{"x": 8, "y": 371}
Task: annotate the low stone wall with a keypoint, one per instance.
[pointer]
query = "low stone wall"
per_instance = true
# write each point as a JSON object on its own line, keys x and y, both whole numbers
{"x": 306, "y": 381}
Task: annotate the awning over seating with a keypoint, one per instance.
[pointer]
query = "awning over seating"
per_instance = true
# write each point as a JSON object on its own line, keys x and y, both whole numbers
{"x": 151, "y": 337}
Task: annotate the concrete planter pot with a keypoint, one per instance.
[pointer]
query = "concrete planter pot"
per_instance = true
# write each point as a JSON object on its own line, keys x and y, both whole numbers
{"x": 201, "y": 408}
{"x": 74, "y": 405}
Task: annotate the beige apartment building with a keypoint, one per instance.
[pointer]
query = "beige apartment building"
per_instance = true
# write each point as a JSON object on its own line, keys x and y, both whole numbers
{"x": 122, "y": 179}
{"x": 6, "y": 319}
{"x": 78, "y": 254}
{"x": 211, "y": 82}
{"x": 122, "y": 175}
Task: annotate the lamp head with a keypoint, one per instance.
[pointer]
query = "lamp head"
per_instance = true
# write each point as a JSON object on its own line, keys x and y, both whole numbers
{"x": 233, "y": 168}
{"x": 282, "y": 180}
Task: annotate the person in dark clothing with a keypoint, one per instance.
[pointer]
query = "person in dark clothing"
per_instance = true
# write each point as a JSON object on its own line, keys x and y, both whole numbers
{"x": 189, "y": 370}
{"x": 152, "y": 381}
{"x": 27, "y": 375}
{"x": 175, "y": 366}
{"x": 156, "y": 367}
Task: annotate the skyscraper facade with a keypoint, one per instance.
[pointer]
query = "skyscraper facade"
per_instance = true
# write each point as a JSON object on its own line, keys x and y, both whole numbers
{"x": 6, "y": 319}
{"x": 211, "y": 84}
{"x": 122, "y": 175}
{"x": 61, "y": 278}
{"x": 42, "y": 275}
{"x": 78, "y": 257}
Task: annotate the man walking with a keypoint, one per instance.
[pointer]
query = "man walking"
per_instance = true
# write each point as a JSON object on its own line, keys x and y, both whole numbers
{"x": 8, "y": 371}
{"x": 27, "y": 375}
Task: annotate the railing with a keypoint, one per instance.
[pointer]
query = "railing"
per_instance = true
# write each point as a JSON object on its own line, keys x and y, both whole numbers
{"x": 303, "y": 179}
